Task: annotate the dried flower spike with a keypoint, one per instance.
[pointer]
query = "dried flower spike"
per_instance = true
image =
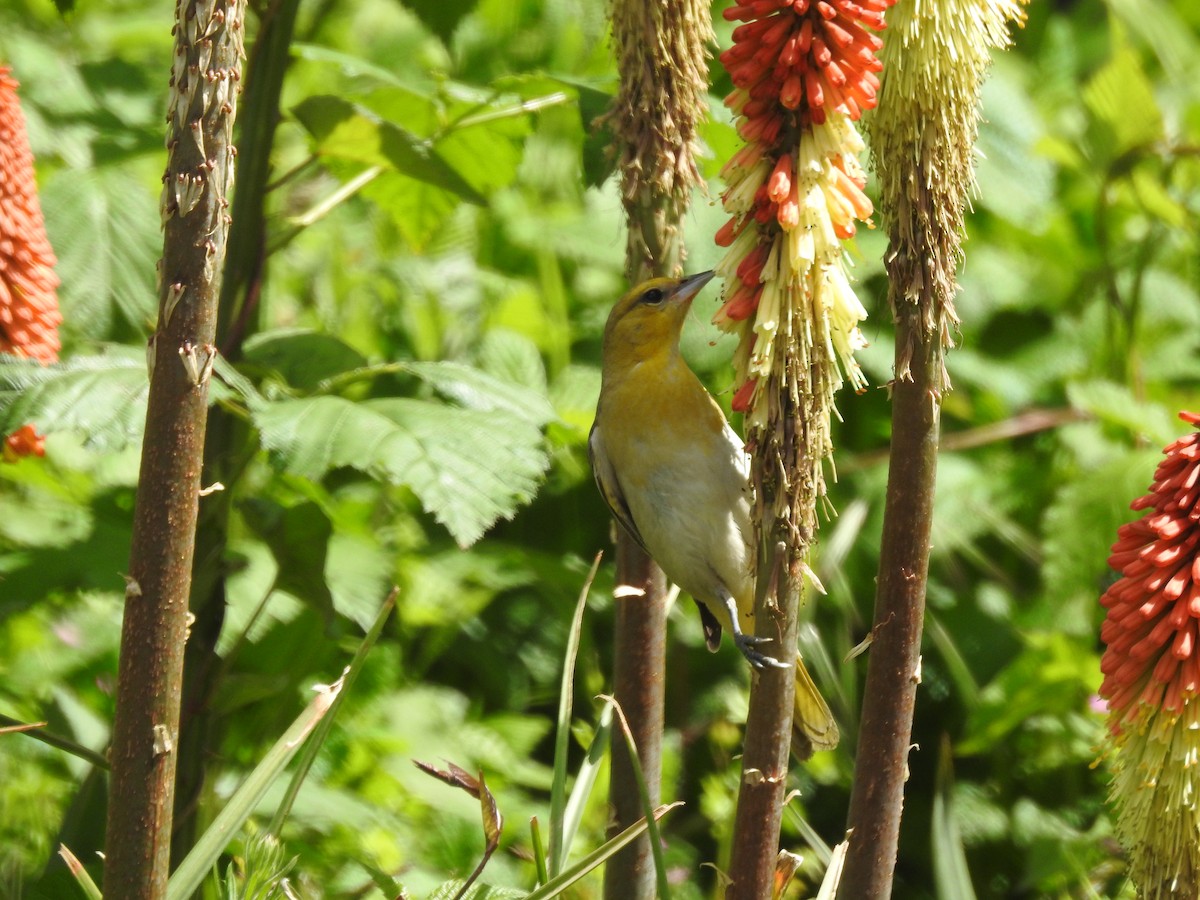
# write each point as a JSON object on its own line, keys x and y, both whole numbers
{"x": 29, "y": 316}
{"x": 1151, "y": 668}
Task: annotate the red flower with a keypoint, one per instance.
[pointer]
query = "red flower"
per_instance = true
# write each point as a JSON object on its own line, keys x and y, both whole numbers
{"x": 29, "y": 315}
{"x": 25, "y": 441}
{"x": 1154, "y": 608}
{"x": 815, "y": 55}
{"x": 1152, "y": 677}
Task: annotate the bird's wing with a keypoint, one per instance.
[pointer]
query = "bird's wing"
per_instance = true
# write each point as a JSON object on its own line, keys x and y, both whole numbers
{"x": 610, "y": 488}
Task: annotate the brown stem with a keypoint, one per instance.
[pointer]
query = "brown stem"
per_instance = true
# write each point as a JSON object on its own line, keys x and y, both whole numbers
{"x": 639, "y": 658}
{"x": 768, "y": 736}
{"x": 230, "y": 444}
{"x": 893, "y": 669}
{"x": 207, "y": 71}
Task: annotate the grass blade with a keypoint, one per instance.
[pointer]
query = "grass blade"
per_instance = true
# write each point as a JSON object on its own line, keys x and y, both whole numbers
{"x": 80, "y": 874}
{"x": 568, "y": 877}
{"x": 539, "y": 851}
{"x": 313, "y": 746}
{"x": 656, "y": 851}
{"x": 562, "y": 738}
{"x": 585, "y": 780}
{"x": 951, "y": 875}
{"x": 196, "y": 866}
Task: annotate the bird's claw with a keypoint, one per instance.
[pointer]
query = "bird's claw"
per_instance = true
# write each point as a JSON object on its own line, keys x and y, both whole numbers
{"x": 747, "y": 643}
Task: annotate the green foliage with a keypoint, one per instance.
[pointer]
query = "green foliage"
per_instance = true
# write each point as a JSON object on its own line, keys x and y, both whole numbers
{"x": 408, "y": 402}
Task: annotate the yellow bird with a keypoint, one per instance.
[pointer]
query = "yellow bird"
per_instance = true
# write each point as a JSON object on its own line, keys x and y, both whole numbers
{"x": 676, "y": 476}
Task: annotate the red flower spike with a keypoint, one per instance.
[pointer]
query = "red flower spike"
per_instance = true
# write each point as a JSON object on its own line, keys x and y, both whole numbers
{"x": 1153, "y": 611}
{"x": 29, "y": 316}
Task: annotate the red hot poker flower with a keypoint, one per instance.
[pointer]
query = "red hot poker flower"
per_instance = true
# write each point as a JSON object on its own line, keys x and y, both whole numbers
{"x": 29, "y": 316}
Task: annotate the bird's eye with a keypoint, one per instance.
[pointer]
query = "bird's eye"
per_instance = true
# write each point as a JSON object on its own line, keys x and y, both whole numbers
{"x": 652, "y": 296}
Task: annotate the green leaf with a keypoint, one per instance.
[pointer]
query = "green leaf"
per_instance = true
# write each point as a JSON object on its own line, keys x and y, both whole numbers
{"x": 349, "y": 131}
{"x": 487, "y": 154}
{"x": 1121, "y": 98}
{"x": 513, "y": 359}
{"x": 1116, "y": 404}
{"x": 1051, "y": 677}
{"x": 102, "y": 397}
{"x": 418, "y": 208}
{"x": 468, "y": 467}
{"x": 299, "y": 540}
{"x": 951, "y": 874}
{"x": 597, "y": 857}
{"x": 303, "y": 358}
{"x": 104, "y": 228}
{"x": 441, "y": 16}
{"x": 1079, "y": 527}
{"x": 479, "y": 390}
{"x": 450, "y": 890}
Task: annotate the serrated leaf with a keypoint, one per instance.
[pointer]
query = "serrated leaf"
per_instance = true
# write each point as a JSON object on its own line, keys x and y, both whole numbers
{"x": 349, "y": 131}
{"x": 468, "y": 467}
{"x": 1122, "y": 100}
{"x": 478, "y": 390}
{"x": 1079, "y": 527}
{"x": 302, "y": 357}
{"x": 514, "y": 359}
{"x": 101, "y": 397}
{"x": 1116, "y": 404}
{"x": 450, "y": 890}
{"x": 104, "y": 229}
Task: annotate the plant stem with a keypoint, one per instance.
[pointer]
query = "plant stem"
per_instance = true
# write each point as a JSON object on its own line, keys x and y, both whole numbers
{"x": 230, "y": 443}
{"x": 639, "y": 661}
{"x": 893, "y": 668}
{"x": 661, "y": 55}
{"x": 766, "y": 750}
{"x": 207, "y": 71}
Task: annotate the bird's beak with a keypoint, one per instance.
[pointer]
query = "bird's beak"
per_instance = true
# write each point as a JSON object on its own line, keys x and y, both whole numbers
{"x": 690, "y": 287}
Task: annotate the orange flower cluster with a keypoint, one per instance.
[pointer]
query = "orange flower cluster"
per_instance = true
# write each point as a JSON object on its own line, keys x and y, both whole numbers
{"x": 25, "y": 441}
{"x": 803, "y": 53}
{"x": 803, "y": 71}
{"x": 29, "y": 316}
{"x": 1152, "y": 659}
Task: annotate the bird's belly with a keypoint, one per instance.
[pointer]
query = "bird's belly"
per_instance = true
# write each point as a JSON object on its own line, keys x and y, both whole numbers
{"x": 696, "y": 532}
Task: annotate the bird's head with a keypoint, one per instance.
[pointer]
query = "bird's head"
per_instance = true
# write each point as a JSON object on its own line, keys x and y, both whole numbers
{"x": 648, "y": 319}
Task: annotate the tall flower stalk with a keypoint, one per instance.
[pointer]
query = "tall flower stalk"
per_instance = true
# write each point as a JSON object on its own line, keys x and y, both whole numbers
{"x": 1151, "y": 669}
{"x": 923, "y": 139}
{"x": 661, "y": 51}
{"x": 803, "y": 72}
{"x": 29, "y": 316}
{"x": 206, "y": 74}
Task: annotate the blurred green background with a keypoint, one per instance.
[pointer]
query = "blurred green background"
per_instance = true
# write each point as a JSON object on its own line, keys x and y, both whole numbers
{"x": 412, "y": 402}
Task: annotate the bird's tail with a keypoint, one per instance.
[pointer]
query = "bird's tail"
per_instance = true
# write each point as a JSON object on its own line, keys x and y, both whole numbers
{"x": 813, "y": 725}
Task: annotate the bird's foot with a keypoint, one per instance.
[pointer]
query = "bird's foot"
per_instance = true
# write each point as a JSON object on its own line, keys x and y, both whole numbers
{"x": 747, "y": 643}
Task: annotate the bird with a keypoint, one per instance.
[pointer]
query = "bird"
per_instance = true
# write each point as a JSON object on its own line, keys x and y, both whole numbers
{"x": 675, "y": 475}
